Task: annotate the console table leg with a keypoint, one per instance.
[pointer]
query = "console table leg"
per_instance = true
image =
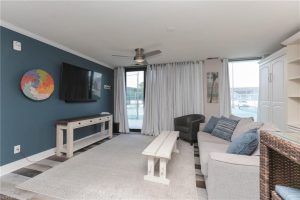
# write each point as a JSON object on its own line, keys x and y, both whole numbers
{"x": 110, "y": 128}
{"x": 70, "y": 141}
{"x": 59, "y": 140}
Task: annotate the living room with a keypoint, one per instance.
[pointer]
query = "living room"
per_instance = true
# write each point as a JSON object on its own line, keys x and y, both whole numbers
{"x": 150, "y": 100}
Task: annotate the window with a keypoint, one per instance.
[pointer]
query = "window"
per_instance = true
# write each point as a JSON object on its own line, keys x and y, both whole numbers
{"x": 244, "y": 87}
{"x": 135, "y": 92}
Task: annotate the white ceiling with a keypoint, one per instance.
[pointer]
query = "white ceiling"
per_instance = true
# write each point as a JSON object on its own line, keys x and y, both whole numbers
{"x": 202, "y": 29}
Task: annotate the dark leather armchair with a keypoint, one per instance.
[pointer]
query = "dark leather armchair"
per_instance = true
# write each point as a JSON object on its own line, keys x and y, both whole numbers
{"x": 188, "y": 126}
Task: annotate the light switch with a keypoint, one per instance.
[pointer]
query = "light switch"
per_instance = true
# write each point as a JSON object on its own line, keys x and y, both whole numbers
{"x": 17, "y": 45}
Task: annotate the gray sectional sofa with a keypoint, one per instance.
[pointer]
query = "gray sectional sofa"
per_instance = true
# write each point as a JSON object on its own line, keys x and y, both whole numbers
{"x": 228, "y": 176}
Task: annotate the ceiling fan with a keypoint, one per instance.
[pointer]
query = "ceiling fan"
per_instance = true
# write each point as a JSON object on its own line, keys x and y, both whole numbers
{"x": 140, "y": 56}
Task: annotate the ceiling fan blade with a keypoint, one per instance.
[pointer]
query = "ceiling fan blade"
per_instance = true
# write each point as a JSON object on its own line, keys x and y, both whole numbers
{"x": 122, "y": 56}
{"x": 152, "y": 53}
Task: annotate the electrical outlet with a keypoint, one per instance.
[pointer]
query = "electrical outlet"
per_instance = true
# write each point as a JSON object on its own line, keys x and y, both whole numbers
{"x": 17, "y": 149}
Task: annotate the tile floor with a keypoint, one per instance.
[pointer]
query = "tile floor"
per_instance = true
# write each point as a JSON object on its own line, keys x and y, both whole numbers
{"x": 8, "y": 182}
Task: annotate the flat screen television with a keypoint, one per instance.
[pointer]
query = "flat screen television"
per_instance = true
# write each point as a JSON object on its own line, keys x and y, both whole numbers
{"x": 78, "y": 84}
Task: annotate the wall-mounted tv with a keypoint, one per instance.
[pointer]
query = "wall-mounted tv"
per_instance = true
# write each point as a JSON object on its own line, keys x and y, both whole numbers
{"x": 79, "y": 85}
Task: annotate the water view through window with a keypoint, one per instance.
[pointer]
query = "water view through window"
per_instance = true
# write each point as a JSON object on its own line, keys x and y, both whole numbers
{"x": 135, "y": 98}
{"x": 244, "y": 88}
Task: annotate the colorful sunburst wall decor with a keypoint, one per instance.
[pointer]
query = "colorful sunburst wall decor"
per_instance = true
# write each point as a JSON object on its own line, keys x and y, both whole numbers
{"x": 37, "y": 84}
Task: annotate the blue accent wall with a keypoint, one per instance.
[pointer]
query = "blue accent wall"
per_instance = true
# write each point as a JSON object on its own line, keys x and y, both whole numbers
{"x": 32, "y": 124}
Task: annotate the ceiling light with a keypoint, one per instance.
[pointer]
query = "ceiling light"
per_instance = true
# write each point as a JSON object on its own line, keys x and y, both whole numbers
{"x": 139, "y": 59}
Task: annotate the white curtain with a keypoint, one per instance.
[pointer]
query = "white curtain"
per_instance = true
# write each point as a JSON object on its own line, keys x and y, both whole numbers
{"x": 120, "y": 114}
{"x": 172, "y": 90}
{"x": 225, "y": 102}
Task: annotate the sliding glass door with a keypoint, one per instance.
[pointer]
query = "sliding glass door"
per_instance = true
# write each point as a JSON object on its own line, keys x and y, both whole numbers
{"x": 135, "y": 92}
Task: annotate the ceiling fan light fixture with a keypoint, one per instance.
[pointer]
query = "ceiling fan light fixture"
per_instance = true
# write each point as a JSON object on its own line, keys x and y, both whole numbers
{"x": 139, "y": 59}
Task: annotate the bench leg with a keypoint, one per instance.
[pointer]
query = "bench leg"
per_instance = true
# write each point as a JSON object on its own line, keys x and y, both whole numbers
{"x": 163, "y": 171}
{"x": 150, "y": 170}
{"x": 163, "y": 168}
{"x": 175, "y": 149}
{"x": 151, "y": 165}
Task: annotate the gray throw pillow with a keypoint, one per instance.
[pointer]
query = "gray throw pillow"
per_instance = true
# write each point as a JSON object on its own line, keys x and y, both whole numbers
{"x": 224, "y": 128}
{"x": 211, "y": 124}
{"x": 245, "y": 144}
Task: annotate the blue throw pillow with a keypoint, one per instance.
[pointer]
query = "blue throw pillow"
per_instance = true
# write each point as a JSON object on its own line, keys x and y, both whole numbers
{"x": 211, "y": 124}
{"x": 224, "y": 128}
{"x": 245, "y": 144}
{"x": 288, "y": 193}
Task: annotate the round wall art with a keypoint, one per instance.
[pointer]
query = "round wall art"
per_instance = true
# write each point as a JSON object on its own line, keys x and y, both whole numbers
{"x": 37, "y": 84}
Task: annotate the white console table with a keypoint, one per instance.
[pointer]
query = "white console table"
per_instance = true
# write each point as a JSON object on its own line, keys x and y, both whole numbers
{"x": 68, "y": 125}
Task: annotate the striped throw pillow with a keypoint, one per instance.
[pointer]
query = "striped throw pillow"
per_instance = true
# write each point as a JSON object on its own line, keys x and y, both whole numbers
{"x": 225, "y": 128}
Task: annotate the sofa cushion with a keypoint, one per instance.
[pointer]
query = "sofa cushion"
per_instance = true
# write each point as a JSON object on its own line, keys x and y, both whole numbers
{"x": 245, "y": 144}
{"x": 206, "y": 137}
{"x": 243, "y": 126}
{"x": 288, "y": 193}
{"x": 205, "y": 149}
{"x": 234, "y": 117}
{"x": 266, "y": 127}
{"x": 224, "y": 128}
{"x": 211, "y": 124}
{"x": 235, "y": 159}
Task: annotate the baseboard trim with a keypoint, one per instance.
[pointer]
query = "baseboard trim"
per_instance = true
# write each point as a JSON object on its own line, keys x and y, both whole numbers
{"x": 8, "y": 168}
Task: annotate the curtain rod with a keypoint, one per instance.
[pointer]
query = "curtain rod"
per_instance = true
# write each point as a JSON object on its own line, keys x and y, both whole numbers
{"x": 180, "y": 62}
{"x": 218, "y": 58}
{"x": 235, "y": 59}
{"x": 243, "y": 59}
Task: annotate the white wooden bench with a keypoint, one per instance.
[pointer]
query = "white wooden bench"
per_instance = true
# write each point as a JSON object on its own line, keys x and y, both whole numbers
{"x": 161, "y": 149}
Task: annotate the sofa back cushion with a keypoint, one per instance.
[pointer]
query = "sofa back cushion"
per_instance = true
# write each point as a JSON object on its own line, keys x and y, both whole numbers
{"x": 265, "y": 127}
{"x": 245, "y": 144}
{"x": 211, "y": 124}
{"x": 234, "y": 117}
{"x": 245, "y": 125}
{"x": 224, "y": 128}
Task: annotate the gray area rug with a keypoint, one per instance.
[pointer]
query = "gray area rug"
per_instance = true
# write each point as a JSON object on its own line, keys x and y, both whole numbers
{"x": 115, "y": 170}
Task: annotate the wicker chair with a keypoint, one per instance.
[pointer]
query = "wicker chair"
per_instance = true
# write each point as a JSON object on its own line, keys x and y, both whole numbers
{"x": 279, "y": 164}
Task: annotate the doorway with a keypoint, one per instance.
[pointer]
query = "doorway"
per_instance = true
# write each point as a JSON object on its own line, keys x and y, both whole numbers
{"x": 135, "y": 96}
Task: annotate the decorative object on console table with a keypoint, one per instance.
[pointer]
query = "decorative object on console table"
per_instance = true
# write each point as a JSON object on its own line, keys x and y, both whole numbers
{"x": 279, "y": 162}
{"x": 212, "y": 87}
{"x": 70, "y": 124}
{"x": 37, "y": 85}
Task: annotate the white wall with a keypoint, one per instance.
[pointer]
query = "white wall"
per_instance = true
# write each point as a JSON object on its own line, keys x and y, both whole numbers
{"x": 211, "y": 108}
